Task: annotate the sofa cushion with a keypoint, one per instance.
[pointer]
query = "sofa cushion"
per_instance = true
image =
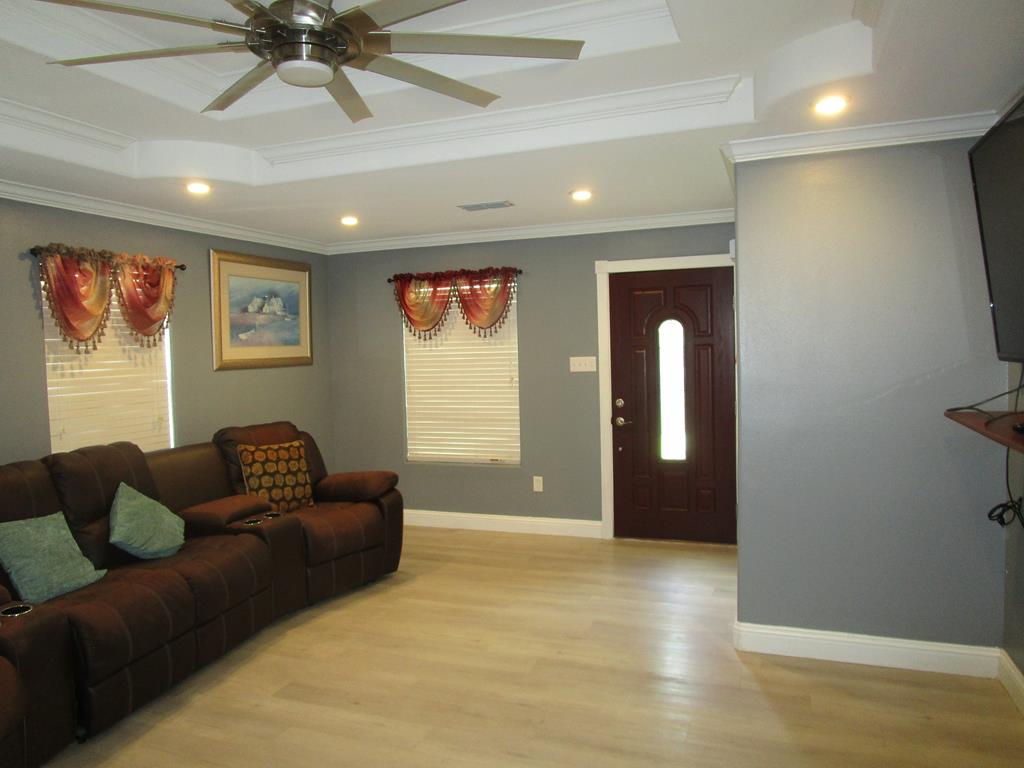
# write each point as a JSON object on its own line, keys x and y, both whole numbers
{"x": 332, "y": 530}
{"x": 143, "y": 526}
{"x": 221, "y": 571}
{"x": 189, "y": 475}
{"x": 125, "y": 616}
{"x": 86, "y": 481}
{"x": 25, "y": 491}
{"x": 227, "y": 440}
{"x": 43, "y": 559}
{"x": 277, "y": 473}
{"x": 355, "y": 486}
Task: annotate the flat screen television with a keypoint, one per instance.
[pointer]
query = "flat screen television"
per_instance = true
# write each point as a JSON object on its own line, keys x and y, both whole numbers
{"x": 997, "y": 168}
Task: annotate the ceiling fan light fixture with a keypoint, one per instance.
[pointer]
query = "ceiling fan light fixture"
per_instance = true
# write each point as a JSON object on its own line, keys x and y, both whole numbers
{"x": 305, "y": 73}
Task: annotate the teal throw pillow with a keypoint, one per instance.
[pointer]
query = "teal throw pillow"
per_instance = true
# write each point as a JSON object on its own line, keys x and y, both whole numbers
{"x": 42, "y": 558}
{"x": 144, "y": 527}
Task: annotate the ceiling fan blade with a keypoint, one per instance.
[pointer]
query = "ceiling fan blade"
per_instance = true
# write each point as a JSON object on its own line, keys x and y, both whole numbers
{"x": 146, "y": 13}
{"x": 473, "y": 45}
{"x": 424, "y": 78}
{"x": 348, "y": 97}
{"x": 245, "y": 83}
{"x": 249, "y": 7}
{"x": 386, "y": 12}
{"x": 159, "y": 53}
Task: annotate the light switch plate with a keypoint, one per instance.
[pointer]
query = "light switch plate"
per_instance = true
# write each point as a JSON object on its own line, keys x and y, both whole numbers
{"x": 538, "y": 484}
{"x": 582, "y": 364}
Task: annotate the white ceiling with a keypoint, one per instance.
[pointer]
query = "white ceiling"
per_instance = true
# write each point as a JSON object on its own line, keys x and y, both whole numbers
{"x": 662, "y": 87}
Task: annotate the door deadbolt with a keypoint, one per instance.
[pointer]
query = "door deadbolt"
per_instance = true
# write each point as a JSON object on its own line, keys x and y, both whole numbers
{"x": 620, "y": 403}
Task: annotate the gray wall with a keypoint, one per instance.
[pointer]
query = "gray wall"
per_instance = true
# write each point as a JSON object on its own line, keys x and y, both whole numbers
{"x": 558, "y": 411}
{"x": 1013, "y": 623}
{"x": 203, "y": 399}
{"x": 862, "y": 316}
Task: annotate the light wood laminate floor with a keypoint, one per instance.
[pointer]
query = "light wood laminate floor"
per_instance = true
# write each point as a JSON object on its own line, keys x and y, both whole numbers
{"x": 511, "y": 650}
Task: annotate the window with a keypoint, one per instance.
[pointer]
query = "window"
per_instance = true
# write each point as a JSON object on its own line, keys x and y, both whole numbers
{"x": 118, "y": 391}
{"x": 672, "y": 385}
{"x": 462, "y": 394}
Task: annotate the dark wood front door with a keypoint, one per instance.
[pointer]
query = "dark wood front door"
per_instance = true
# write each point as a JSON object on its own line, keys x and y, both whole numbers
{"x": 674, "y": 404}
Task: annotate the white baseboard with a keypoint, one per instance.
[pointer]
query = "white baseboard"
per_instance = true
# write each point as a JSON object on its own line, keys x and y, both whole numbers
{"x": 971, "y": 660}
{"x": 1012, "y": 679}
{"x": 590, "y": 529}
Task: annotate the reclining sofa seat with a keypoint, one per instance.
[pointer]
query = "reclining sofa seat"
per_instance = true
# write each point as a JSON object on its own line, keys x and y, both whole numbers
{"x": 352, "y": 531}
{"x": 36, "y": 645}
{"x": 193, "y": 482}
{"x": 148, "y": 624}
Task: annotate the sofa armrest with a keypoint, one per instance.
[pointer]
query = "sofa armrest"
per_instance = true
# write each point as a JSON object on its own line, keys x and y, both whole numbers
{"x": 38, "y": 645}
{"x": 355, "y": 486}
{"x": 212, "y": 517}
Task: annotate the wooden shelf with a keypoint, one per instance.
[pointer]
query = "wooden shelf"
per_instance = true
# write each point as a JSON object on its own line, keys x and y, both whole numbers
{"x": 998, "y": 426}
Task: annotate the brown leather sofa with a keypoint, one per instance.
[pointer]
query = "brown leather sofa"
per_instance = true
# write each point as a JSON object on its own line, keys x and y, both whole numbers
{"x": 353, "y": 531}
{"x": 91, "y": 657}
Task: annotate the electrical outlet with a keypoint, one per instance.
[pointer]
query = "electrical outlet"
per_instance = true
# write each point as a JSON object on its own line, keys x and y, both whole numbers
{"x": 538, "y": 484}
{"x": 582, "y": 364}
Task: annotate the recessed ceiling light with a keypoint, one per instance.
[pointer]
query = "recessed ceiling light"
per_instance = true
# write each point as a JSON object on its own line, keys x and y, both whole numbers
{"x": 349, "y": 221}
{"x": 582, "y": 195}
{"x": 198, "y": 188}
{"x": 829, "y": 106}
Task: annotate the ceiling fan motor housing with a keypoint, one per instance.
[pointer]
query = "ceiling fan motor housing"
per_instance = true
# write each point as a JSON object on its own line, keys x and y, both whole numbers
{"x": 304, "y": 51}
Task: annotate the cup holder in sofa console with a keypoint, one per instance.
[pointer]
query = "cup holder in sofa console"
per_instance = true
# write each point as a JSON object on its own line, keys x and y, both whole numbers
{"x": 271, "y": 515}
{"x": 15, "y": 610}
{"x": 253, "y": 521}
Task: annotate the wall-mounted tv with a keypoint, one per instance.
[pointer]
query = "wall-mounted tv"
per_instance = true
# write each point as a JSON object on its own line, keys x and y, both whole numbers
{"x": 997, "y": 167}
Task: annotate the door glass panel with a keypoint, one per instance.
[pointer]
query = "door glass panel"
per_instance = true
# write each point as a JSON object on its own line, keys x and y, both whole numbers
{"x": 672, "y": 386}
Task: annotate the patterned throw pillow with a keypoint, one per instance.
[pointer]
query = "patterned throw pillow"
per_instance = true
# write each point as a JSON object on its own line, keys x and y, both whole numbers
{"x": 278, "y": 474}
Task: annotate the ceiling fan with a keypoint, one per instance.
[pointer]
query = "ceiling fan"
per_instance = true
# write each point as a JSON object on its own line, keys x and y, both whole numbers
{"x": 308, "y": 44}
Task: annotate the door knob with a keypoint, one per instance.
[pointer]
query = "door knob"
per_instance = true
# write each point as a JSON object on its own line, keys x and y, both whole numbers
{"x": 621, "y": 422}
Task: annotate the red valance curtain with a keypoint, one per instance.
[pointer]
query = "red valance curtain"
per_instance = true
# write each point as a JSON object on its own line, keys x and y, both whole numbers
{"x": 78, "y": 282}
{"x": 424, "y": 301}
{"x": 483, "y": 296}
{"x": 146, "y": 289}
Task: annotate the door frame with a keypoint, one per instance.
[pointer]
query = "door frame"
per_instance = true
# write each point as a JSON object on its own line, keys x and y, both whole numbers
{"x": 602, "y": 269}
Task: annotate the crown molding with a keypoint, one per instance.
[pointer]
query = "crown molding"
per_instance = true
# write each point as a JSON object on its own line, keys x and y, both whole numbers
{"x": 114, "y": 210}
{"x": 51, "y": 198}
{"x": 626, "y": 114}
{"x": 53, "y": 126}
{"x": 602, "y": 226}
{"x": 642, "y": 112}
{"x": 860, "y": 137}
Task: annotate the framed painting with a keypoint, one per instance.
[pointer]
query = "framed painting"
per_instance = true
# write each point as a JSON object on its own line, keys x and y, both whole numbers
{"x": 261, "y": 312}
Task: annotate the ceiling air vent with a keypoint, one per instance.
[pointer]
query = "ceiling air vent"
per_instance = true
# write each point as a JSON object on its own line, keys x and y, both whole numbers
{"x": 486, "y": 206}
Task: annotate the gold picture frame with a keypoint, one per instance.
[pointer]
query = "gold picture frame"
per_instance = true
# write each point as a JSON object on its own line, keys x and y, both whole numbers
{"x": 261, "y": 312}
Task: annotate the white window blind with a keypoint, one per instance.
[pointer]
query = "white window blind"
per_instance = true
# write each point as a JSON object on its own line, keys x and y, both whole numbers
{"x": 462, "y": 394}
{"x": 119, "y": 391}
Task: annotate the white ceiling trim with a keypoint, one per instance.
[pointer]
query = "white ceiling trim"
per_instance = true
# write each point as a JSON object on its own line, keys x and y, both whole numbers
{"x": 70, "y": 201}
{"x": 35, "y": 120}
{"x": 860, "y": 137}
{"x": 567, "y": 229}
{"x": 114, "y": 210}
{"x": 643, "y": 112}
